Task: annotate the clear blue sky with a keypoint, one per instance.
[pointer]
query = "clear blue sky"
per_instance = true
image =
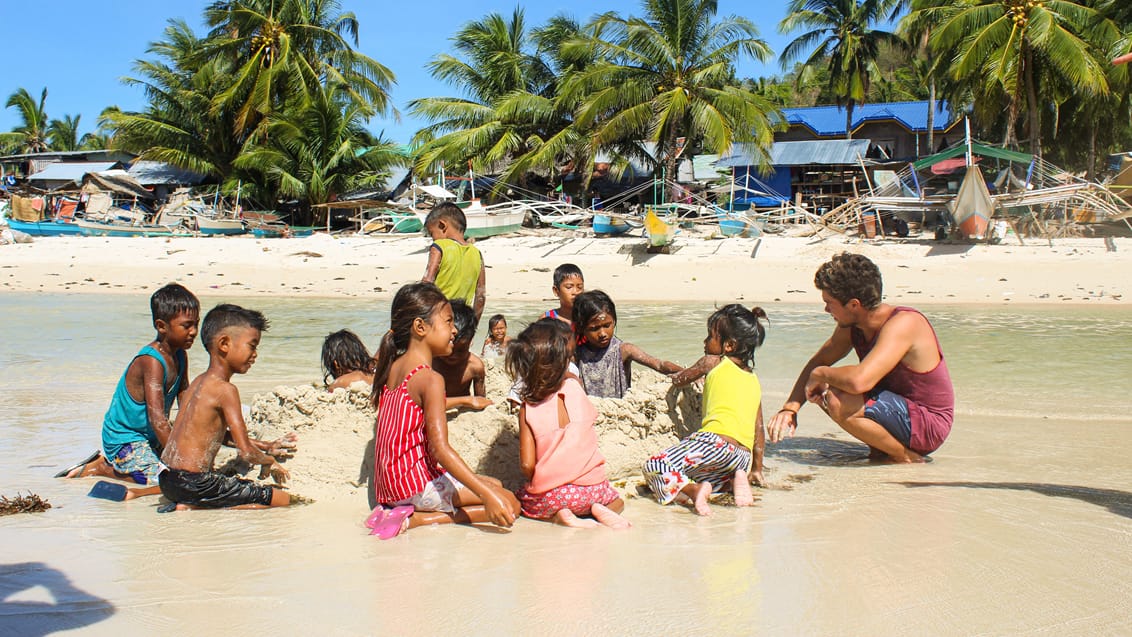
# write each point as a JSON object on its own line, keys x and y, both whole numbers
{"x": 79, "y": 49}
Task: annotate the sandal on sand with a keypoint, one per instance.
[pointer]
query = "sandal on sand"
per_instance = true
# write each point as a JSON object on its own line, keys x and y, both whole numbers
{"x": 108, "y": 491}
{"x": 80, "y": 466}
{"x": 390, "y": 525}
{"x": 375, "y": 517}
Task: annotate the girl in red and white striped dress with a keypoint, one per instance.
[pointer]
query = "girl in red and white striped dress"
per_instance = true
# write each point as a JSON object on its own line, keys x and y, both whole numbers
{"x": 418, "y": 478}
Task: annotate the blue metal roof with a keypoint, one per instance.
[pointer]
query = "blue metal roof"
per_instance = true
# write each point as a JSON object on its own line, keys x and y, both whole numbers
{"x": 830, "y": 152}
{"x": 71, "y": 171}
{"x": 830, "y": 120}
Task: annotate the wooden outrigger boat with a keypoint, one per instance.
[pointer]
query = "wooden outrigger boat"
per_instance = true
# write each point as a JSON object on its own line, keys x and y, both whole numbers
{"x": 212, "y": 226}
{"x": 90, "y": 228}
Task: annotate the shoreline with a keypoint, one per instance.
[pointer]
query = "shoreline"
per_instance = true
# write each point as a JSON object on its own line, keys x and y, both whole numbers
{"x": 1078, "y": 271}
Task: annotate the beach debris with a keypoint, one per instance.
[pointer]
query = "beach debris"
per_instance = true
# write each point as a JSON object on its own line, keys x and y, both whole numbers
{"x": 306, "y": 253}
{"x": 30, "y": 503}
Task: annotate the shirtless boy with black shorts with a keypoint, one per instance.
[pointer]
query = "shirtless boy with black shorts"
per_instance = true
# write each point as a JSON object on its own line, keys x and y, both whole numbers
{"x": 211, "y": 415}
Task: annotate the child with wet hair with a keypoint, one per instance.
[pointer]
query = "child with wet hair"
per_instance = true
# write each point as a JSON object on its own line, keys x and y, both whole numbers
{"x": 464, "y": 373}
{"x": 495, "y": 345}
{"x": 212, "y": 414}
{"x": 345, "y": 361}
{"x": 137, "y": 427}
{"x": 419, "y": 479}
{"x": 603, "y": 359}
{"x": 720, "y": 452}
{"x": 558, "y": 450}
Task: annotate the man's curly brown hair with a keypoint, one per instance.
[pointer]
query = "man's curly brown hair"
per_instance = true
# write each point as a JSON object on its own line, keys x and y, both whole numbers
{"x": 850, "y": 276}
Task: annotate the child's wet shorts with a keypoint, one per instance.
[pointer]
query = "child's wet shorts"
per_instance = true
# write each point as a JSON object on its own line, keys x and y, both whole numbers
{"x": 437, "y": 495}
{"x": 575, "y": 497}
{"x": 891, "y": 412}
{"x": 139, "y": 461}
{"x": 212, "y": 490}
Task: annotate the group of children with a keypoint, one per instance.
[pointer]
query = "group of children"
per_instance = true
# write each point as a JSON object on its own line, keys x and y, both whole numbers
{"x": 558, "y": 363}
{"x": 423, "y": 368}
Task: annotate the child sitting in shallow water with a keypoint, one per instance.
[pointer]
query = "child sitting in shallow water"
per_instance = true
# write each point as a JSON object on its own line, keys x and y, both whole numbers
{"x": 603, "y": 359}
{"x": 495, "y": 345}
{"x": 211, "y": 414}
{"x": 721, "y": 450}
{"x": 345, "y": 360}
{"x": 557, "y": 442}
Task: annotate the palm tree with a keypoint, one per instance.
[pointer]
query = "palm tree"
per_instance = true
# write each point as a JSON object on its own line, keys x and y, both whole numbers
{"x": 1016, "y": 45}
{"x": 508, "y": 96}
{"x": 63, "y": 134}
{"x": 31, "y": 135}
{"x": 282, "y": 50}
{"x": 670, "y": 75}
{"x": 840, "y": 34}
{"x": 320, "y": 150}
{"x": 179, "y": 125}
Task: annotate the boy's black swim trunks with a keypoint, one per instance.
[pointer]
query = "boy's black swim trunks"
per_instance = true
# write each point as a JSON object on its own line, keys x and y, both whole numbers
{"x": 212, "y": 490}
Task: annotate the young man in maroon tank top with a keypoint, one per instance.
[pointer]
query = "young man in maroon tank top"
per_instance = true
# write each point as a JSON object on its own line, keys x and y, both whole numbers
{"x": 898, "y": 399}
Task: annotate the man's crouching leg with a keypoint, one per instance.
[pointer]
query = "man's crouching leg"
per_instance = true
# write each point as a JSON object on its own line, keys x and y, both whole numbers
{"x": 856, "y": 414}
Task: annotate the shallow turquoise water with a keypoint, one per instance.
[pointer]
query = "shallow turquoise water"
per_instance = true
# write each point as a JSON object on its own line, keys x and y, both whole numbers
{"x": 1036, "y": 361}
{"x": 1016, "y": 528}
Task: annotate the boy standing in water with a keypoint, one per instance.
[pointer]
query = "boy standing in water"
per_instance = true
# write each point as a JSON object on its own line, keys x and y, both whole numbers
{"x": 463, "y": 372}
{"x": 211, "y": 414}
{"x": 454, "y": 265}
{"x": 136, "y": 425}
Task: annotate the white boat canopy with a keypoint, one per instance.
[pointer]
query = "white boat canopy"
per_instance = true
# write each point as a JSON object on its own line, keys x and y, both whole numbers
{"x": 436, "y": 192}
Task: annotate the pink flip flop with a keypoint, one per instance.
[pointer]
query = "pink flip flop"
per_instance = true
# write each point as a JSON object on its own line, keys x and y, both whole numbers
{"x": 390, "y": 525}
{"x": 376, "y": 516}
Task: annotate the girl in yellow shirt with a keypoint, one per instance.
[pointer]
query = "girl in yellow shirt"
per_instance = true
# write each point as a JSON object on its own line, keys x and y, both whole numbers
{"x": 721, "y": 451}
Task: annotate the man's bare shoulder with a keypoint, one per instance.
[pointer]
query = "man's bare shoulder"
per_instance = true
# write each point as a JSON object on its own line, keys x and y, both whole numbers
{"x": 910, "y": 324}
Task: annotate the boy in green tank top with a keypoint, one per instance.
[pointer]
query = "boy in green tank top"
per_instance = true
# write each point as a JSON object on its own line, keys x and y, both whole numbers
{"x": 454, "y": 265}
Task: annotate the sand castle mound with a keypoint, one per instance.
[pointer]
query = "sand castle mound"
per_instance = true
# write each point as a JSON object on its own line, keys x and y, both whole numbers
{"x": 335, "y": 458}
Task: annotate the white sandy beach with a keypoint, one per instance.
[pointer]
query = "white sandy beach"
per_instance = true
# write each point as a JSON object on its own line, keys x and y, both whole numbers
{"x": 772, "y": 269}
{"x": 1019, "y": 526}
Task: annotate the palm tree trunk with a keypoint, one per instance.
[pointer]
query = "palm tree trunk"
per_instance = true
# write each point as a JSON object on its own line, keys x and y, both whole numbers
{"x": 1091, "y": 166}
{"x": 1032, "y": 101}
{"x": 931, "y": 117}
{"x": 849, "y": 120}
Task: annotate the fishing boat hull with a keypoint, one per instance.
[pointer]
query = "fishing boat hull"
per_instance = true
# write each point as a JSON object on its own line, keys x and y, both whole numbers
{"x": 660, "y": 233}
{"x": 213, "y": 227}
{"x": 405, "y": 222}
{"x": 272, "y": 231}
{"x": 607, "y": 225}
{"x": 488, "y": 222}
{"x": 100, "y": 229}
{"x": 732, "y": 227}
{"x": 45, "y": 228}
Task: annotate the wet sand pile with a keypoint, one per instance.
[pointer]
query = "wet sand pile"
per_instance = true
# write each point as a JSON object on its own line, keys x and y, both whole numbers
{"x": 335, "y": 456}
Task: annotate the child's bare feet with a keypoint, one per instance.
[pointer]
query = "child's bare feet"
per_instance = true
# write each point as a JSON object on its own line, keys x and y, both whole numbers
{"x": 700, "y": 501}
{"x": 609, "y": 518}
{"x": 566, "y": 517}
{"x": 757, "y": 479}
{"x": 742, "y": 490}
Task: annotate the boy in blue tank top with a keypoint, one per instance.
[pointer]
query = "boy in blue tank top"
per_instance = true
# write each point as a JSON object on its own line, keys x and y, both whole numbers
{"x": 136, "y": 425}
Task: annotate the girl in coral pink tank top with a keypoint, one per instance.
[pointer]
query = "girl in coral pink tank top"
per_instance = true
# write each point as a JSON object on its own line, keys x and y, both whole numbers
{"x": 557, "y": 441}
{"x": 418, "y": 477}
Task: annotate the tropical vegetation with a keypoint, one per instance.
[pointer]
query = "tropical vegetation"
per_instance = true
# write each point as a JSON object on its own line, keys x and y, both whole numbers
{"x": 275, "y": 99}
